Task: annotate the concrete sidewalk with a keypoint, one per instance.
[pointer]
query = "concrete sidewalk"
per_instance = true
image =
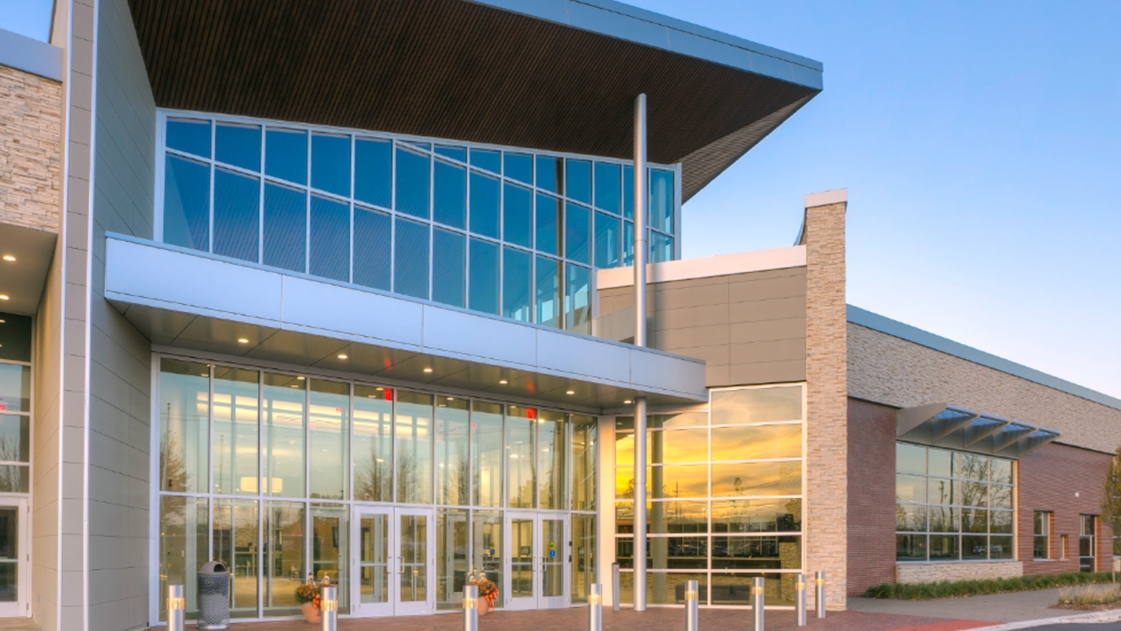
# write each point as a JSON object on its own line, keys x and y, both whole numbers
{"x": 1012, "y": 607}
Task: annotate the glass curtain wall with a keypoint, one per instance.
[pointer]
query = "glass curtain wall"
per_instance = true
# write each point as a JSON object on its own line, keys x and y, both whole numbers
{"x": 725, "y": 495}
{"x": 255, "y": 472}
{"x": 952, "y": 505}
{"x": 502, "y": 231}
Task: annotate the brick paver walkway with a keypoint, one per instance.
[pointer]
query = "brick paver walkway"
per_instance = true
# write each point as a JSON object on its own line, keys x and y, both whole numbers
{"x": 575, "y": 619}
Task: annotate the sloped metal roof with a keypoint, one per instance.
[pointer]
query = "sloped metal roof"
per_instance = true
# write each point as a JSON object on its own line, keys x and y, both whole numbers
{"x": 942, "y": 425}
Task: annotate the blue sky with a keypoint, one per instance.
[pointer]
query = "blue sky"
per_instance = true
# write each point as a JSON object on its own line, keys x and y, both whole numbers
{"x": 981, "y": 146}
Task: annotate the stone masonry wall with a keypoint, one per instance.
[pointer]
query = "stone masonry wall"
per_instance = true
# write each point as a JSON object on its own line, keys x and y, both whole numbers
{"x": 826, "y": 397}
{"x": 30, "y": 149}
{"x": 935, "y": 572}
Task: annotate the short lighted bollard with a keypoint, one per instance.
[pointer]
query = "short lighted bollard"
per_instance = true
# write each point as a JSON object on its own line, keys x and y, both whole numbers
{"x": 757, "y": 593}
{"x": 595, "y": 607}
{"x": 176, "y": 608}
{"x": 819, "y": 596}
{"x": 329, "y": 607}
{"x": 692, "y": 599}
{"x": 470, "y": 608}
{"x": 800, "y": 600}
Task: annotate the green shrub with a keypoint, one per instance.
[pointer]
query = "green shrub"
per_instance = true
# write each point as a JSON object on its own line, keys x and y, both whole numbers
{"x": 954, "y": 589}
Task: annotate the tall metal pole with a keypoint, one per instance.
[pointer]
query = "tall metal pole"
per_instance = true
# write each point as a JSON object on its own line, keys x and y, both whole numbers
{"x": 641, "y": 251}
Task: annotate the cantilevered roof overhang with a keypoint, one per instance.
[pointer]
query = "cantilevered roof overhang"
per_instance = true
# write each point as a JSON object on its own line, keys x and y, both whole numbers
{"x": 181, "y": 299}
{"x": 942, "y": 425}
{"x": 557, "y": 75}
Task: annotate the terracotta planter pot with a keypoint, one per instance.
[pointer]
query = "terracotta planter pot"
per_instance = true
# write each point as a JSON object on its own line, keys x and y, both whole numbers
{"x": 484, "y": 607}
{"x": 311, "y": 612}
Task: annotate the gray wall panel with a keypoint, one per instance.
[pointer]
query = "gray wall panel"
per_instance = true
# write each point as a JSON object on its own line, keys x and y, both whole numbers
{"x": 354, "y": 312}
{"x": 578, "y": 356}
{"x": 477, "y": 336}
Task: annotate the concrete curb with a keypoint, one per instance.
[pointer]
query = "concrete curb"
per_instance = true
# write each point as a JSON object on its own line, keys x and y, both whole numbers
{"x": 1113, "y": 615}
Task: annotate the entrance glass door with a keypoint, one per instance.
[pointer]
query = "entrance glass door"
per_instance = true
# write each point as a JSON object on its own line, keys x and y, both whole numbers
{"x": 13, "y": 568}
{"x": 393, "y": 561}
{"x": 538, "y": 555}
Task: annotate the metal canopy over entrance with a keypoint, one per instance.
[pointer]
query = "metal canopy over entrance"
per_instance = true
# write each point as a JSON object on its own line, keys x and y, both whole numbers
{"x": 943, "y": 425}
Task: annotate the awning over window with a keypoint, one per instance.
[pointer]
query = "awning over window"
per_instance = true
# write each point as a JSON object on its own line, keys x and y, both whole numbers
{"x": 943, "y": 425}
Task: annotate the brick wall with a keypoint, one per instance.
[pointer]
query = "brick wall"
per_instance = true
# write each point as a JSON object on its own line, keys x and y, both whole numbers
{"x": 871, "y": 484}
{"x": 30, "y": 149}
{"x": 826, "y": 394}
{"x": 1049, "y": 478}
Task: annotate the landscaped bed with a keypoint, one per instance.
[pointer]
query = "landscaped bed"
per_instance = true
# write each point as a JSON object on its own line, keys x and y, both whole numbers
{"x": 955, "y": 589}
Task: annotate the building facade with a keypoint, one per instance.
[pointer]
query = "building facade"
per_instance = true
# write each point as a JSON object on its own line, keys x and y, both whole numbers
{"x": 348, "y": 290}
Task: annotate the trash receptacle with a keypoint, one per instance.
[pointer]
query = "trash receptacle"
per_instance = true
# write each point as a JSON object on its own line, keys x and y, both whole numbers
{"x": 214, "y": 596}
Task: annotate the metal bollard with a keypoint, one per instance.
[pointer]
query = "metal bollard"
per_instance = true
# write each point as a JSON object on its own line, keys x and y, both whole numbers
{"x": 692, "y": 594}
{"x": 757, "y": 592}
{"x": 819, "y": 596}
{"x": 595, "y": 607}
{"x": 176, "y": 608}
{"x": 470, "y": 608}
{"x": 615, "y": 597}
{"x": 800, "y": 600}
{"x": 329, "y": 606}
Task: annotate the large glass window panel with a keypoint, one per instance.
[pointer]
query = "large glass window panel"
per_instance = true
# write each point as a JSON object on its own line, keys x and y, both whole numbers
{"x": 607, "y": 241}
{"x": 973, "y": 466}
{"x": 283, "y": 401}
{"x": 329, "y": 425}
{"x": 373, "y": 171}
{"x": 15, "y": 479}
{"x": 449, "y": 195}
{"x": 330, "y": 163}
{"x": 455, "y": 153}
{"x": 551, "y": 465}
{"x": 486, "y": 453}
{"x": 678, "y": 517}
{"x": 486, "y": 546}
{"x": 410, "y": 265}
{"x": 517, "y": 215}
{"x": 283, "y": 557}
{"x": 944, "y": 519}
{"x": 678, "y": 420}
{"x": 941, "y": 491}
{"x": 661, "y": 247}
{"x": 941, "y": 463}
{"x": 484, "y": 276}
{"x": 944, "y": 547}
{"x": 578, "y": 299}
{"x": 189, "y": 136}
{"x": 778, "y": 515}
{"x": 757, "y": 478}
{"x": 756, "y": 442}
{"x": 1000, "y": 522}
{"x": 449, "y": 274}
{"x": 286, "y": 155}
{"x": 15, "y": 387}
{"x": 373, "y": 558}
{"x": 584, "y": 537}
{"x": 550, "y": 174}
{"x": 186, "y": 203}
{"x": 607, "y": 187}
{"x": 974, "y": 520}
{"x": 17, "y": 338}
{"x": 329, "y": 557}
{"x": 974, "y": 547}
{"x": 412, "y": 183}
{"x": 451, "y": 558}
{"x": 910, "y": 547}
{"x": 548, "y": 299}
{"x": 578, "y": 180}
{"x": 1000, "y": 548}
{"x": 373, "y": 238}
{"x": 413, "y": 444}
{"x": 486, "y": 159}
{"x": 412, "y": 536}
{"x": 184, "y": 546}
{"x": 239, "y": 145}
{"x": 237, "y": 545}
{"x": 15, "y": 438}
{"x": 577, "y": 233}
{"x": 236, "y": 399}
{"x": 452, "y": 465}
{"x": 484, "y": 205}
{"x": 518, "y": 166}
{"x": 373, "y": 444}
{"x": 1000, "y": 470}
{"x": 678, "y": 447}
{"x": 661, "y": 200}
{"x": 548, "y": 232}
{"x": 517, "y": 283}
{"x": 285, "y": 227}
{"x": 974, "y": 493}
{"x": 628, "y": 243}
{"x": 585, "y": 442}
{"x": 330, "y": 239}
{"x": 681, "y": 481}
{"x": 236, "y": 215}
{"x": 628, "y": 191}
{"x": 521, "y": 467}
{"x": 756, "y": 405}
{"x": 1000, "y": 496}
{"x": 910, "y": 458}
{"x": 184, "y": 426}
{"x": 783, "y": 552}
{"x": 910, "y": 488}
{"x": 910, "y": 518}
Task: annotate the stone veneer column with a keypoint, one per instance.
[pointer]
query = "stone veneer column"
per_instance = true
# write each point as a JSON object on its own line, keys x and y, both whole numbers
{"x": 826, "y": 526}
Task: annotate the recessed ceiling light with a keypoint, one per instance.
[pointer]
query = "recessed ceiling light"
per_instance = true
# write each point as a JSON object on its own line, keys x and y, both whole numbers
{"x": 3, "y": 321}
{"x": 571, "y": 392}
{"x": 502, "y": 382}
{"x": 451, "y": 398}
{"x": 242, "y": 340}
{"x": 3, "y": 296}
{"x": 342, "y": 355}
{"x": 300, "y": 378}
{"x": 627, "y": 402}
{"x": 9, "y": 258}
{"x": 427, "y": 370}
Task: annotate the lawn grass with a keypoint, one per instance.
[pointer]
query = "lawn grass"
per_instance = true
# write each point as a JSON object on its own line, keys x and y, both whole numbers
{"x": 954, "y": 589}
